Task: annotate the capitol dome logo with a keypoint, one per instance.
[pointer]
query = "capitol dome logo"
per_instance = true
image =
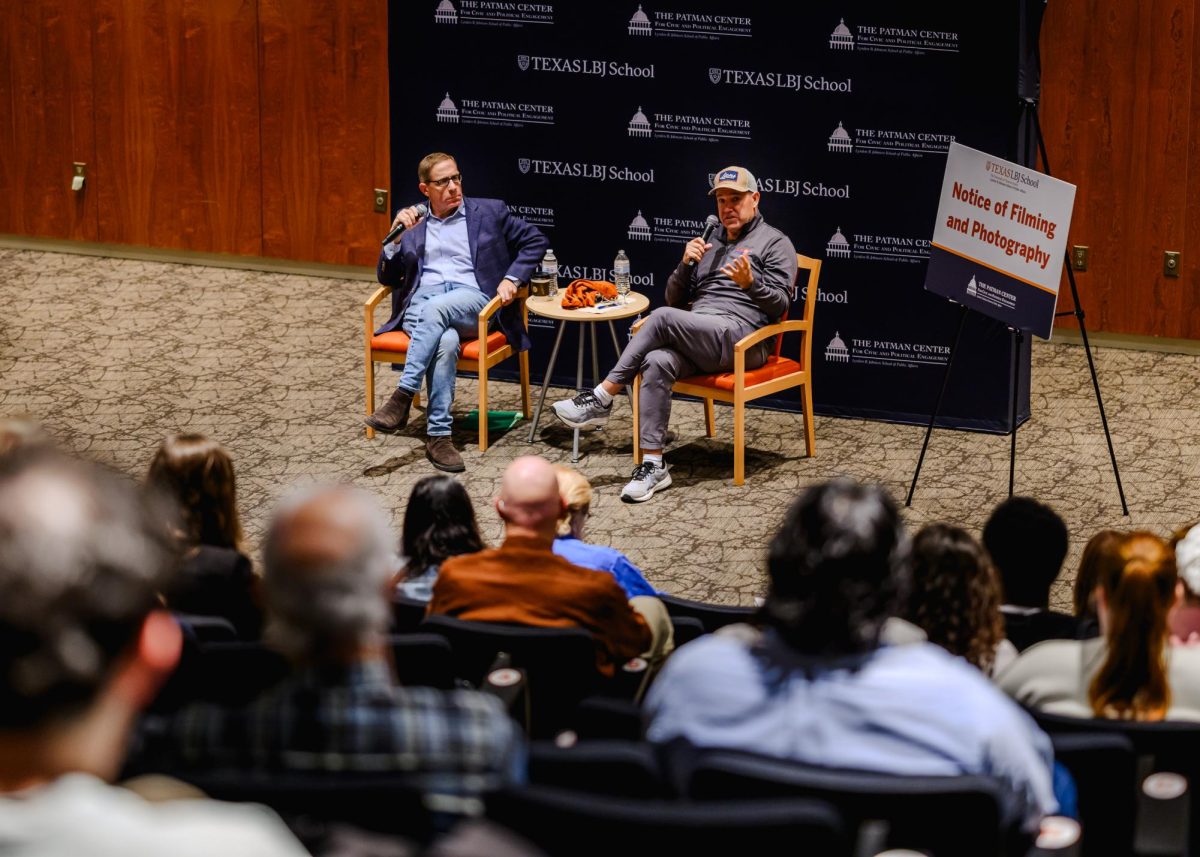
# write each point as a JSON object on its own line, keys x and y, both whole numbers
{"x": 447, "y": 111}
{"x": 841, "y": 39}
{"x": 973, "y": 288}
{"x": 838, "y": 247}
{"x": 639, "y": 24}
{"x": 639, "y": 125}
{"x": 446, "y": 13}
{"x": 840, "y": 140}
{"x": 836, "y": 351}
{"x": 639, "y": 229}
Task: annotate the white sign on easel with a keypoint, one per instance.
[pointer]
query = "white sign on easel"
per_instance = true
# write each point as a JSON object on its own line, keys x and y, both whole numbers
{"x": 1000, "y": 239}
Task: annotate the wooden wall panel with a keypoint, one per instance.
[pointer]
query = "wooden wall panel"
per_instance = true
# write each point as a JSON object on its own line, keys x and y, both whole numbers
{"x": 324, "y": 128}
{"x": 46, "y": 118}
{"x": 177, "y": 124}
{"x": 1117, "y": 116}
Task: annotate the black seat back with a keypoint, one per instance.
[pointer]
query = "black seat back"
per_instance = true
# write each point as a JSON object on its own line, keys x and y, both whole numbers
{"x": 968, "y": 815}
{"x": 564, "y": 822}
{"x": 559, "y": 663}
{"x": 711, "y": 616}
{"x": 423, "y": 660}
{"x": 618, "y": 768}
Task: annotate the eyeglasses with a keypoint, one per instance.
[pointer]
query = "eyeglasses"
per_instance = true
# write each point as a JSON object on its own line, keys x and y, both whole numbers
{"x": 441, "y": 183}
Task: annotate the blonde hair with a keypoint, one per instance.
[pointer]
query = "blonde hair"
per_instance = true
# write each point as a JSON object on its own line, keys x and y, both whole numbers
{"x": 576, "y": 493}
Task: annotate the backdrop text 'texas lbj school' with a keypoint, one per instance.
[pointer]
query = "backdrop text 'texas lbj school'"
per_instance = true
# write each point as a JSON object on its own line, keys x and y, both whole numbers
{"x": 602, "y": 123}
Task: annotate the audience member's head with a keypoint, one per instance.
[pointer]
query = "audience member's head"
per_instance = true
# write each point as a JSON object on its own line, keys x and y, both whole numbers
{"x": 439, "y": 522}
{"x": 838, "y": 568}
{"x": 1133, "y": 598}
{"x": 529, "y": 502}
{"x": 82, "y": 646}
{"x": 1027, "y": 541}
{"x": 955, "y": 595}
{"x": 21, "y": 433}
{"x": 1186, "y": 545}
{"x": 576, "y": 493}
{"x": 1101, "y": 549}
{"x": 198, "y": 473}
{"x": 328, "y": 558}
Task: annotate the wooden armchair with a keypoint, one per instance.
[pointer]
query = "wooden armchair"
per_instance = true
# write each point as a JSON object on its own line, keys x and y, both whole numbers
{"x": 744, "y": 385}
{"x": 478, "y": 355}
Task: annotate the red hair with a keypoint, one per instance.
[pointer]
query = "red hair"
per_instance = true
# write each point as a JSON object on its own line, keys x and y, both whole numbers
{"x": 1139, "y": 590}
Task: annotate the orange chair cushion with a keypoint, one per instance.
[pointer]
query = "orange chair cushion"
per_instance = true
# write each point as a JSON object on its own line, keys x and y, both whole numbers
{"x": 775, "y": 367}
{"x": 397, "y": 341}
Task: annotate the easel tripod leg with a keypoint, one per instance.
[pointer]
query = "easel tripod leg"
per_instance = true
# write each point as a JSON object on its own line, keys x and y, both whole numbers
{"x": 962, "y": 318}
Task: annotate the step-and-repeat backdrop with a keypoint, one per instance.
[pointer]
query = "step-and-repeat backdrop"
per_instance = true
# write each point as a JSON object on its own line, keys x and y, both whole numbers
{"x": 603, "y": 122}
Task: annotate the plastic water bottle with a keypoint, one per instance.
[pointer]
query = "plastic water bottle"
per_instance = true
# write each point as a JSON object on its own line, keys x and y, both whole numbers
{"x": 621, "y": 278}
{"x": 550, "y": 269}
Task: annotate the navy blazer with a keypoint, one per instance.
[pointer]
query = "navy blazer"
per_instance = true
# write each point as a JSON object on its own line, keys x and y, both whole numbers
{"x": 501, "y": 245}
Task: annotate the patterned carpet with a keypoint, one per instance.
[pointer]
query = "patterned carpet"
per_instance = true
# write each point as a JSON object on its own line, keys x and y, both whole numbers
{"x": 112, "y": 355}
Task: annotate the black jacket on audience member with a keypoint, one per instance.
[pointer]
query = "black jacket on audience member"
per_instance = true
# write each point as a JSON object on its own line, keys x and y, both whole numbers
{"x": 214, "y": 581}
{"x": 1024, "y": 628}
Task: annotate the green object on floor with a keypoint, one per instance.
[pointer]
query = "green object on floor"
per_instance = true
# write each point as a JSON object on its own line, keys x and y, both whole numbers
{"x": 497, "y": 420}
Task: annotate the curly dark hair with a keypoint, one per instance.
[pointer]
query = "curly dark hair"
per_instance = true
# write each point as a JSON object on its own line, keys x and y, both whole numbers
{"x": 838, "y": 567}
{"x": 439, "y": 523}
{"x": 955, "y": 595}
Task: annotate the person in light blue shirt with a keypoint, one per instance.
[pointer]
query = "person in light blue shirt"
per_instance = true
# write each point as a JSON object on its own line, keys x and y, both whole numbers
{"x": 576, "y": 493}
{"x": 817, "y": 685}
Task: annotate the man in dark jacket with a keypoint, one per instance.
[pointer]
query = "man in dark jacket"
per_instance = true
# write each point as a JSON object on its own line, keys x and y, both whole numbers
{"x": 443, "y": 270}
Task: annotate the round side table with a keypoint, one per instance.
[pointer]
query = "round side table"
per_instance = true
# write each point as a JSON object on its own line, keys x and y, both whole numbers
{"x": 635, "y": 303}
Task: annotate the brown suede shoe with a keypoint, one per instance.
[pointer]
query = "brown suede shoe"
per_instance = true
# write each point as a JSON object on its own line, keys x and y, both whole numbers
{"x": 392, "y": 415}
{"x": 441, "y": 454}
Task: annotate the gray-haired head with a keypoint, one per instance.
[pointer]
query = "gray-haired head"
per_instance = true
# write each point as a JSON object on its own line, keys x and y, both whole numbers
{"x": 328, "y": 557}
{"x": 82, "y": 557}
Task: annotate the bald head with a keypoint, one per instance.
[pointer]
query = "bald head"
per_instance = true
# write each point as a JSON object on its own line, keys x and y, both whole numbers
{"x": 529, "y": 498}
{"x": 328, "y": 556}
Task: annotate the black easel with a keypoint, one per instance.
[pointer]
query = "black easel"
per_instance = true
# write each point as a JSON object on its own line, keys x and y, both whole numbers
{"x": 1029, "y": 113}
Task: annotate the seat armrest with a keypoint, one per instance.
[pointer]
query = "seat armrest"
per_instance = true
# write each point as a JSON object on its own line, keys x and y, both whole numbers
{"x": 378, "y": 295}
{"x": 493, "y": 306}
{"x": 777, "y": 329}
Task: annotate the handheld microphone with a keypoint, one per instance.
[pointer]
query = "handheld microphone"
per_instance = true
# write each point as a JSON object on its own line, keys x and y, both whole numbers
{"x": 422, "y": 210}
{"x": 710, "y": 226}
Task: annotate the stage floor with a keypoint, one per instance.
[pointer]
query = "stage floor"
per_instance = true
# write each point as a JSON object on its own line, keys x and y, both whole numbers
{"x": 112, "y": 355}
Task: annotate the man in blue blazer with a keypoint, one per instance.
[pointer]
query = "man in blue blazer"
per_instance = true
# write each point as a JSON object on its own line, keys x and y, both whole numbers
{"x": 443, "y": 269}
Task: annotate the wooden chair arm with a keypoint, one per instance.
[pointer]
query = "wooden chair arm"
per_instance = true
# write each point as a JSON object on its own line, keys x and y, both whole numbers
{"x": 493, "y": 306}
{"x": 369, "y": 311}
{"x": 379, "y": 294}
{"x": 792, "y": 325}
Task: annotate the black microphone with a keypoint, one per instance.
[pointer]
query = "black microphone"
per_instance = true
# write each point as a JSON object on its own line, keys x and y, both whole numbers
{"x": 422, "y": 210}
{"x": 710, "y": 226}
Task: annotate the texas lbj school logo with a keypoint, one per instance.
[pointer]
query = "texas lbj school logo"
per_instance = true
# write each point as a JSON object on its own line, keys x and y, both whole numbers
{"x": 523, "y": 165}
{"x": 714, "y": 74}
{"x": 523, "y": 62}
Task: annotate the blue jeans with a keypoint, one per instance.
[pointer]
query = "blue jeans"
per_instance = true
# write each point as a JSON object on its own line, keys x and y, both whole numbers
{"x": 436, "y": 318}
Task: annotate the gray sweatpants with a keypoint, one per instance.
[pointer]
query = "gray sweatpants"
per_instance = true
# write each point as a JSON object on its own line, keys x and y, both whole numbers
{"x": 675, "y": 343}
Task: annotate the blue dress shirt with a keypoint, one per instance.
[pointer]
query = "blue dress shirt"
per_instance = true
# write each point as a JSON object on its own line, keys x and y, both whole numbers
{"x": 629, "y": 577}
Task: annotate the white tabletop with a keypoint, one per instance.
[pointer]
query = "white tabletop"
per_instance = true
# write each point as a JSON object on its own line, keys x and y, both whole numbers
{"x": 546, "y": 306}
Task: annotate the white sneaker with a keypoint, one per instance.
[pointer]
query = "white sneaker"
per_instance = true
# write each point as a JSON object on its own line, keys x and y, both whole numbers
{"x": 583, "y": 411}
{"x": 648, "y": 477}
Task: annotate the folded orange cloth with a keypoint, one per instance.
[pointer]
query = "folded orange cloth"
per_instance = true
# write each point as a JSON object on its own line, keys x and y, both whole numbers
{"x": 583, "y": 293}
